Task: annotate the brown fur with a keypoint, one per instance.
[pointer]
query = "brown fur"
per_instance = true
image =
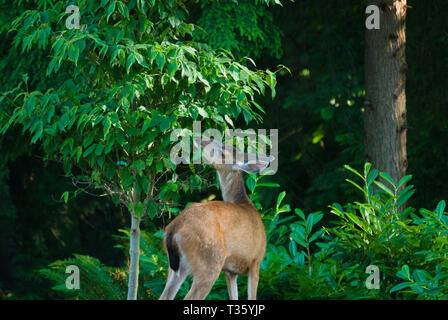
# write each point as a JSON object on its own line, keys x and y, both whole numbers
{"x": 220, "y": 236}
{"x": 220, "y": 230}
{"x": 207, "y": 238}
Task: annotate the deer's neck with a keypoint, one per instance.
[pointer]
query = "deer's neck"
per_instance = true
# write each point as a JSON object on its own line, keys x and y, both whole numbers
{"x": 232, "y": 186}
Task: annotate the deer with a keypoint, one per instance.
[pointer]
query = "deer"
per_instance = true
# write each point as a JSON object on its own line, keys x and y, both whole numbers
{"x": 227, "y": 236}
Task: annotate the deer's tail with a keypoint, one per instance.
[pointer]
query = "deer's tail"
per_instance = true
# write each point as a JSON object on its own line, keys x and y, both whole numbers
{"x": 173, "y": 251}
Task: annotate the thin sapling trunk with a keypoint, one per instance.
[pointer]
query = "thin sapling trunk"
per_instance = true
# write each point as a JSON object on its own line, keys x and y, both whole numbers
{"x": 134, "y": 256}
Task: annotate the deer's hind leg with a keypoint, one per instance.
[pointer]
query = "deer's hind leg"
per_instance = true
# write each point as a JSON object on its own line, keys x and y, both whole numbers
{"x": 202, "y": 284}
{"x": 232, "y": 285}
{"x": 175, "y": 280}
{"x": 206, "y": 263}
{"x": 252, "y": 284}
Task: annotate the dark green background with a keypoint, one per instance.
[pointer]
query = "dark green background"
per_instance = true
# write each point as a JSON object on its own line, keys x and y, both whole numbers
{"x": 322, "y": 42}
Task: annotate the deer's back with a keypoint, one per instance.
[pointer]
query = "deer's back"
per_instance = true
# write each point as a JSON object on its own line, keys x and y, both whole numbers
{"x": 236, "y": 230}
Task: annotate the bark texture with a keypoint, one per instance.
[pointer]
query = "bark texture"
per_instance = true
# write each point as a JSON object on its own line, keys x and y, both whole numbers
{"x": 385, "y": 76}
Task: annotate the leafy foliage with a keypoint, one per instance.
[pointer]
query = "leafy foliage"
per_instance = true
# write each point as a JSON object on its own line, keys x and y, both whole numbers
{"x": 305, "y": 260}
{"x": 125, "y": 83}
{"x": 371, "y": 232}
{"x": 118, "y": 88}
{"x": 96, "y": 280}
{"x": 318, "y": 110}
{"x": 249, "y": 34}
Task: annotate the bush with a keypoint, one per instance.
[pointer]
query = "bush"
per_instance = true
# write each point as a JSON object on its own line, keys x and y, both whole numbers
{"x": 331, "y": 262}
{"x": 306, "y": 260}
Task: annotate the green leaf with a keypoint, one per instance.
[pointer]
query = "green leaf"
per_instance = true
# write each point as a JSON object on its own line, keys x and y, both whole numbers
{"x": 280, "y": 198}
{"x": 417, "y": 288}
{"x": 157, "y": 118}
{"x": 356, "y": 185}
{"x": 317, "y": 217}
{"x": 73, "y": 53}
{"x": 126, "y": 178}
{"x": 292, "y": 248}
{"x": 401, "y": 286}
{"x": 300, "y": 213}
{"x": 89, "y": 150}
{"x": 100, "y": 161}
{"x": 440, "y": 208}
{"x": 99, "y": 149}
{"x": 129, "y": 62}
{"x": 371, "y": 177}
{"x": 421, "y": 275}
{"x": 271, "y": 81}
{"x": 384, "y": 188}
{"x": 69, "y": 142}
{"x": 107, "y": 125}
{"x": 165, "y": 124}
{"x": 65, "y": 196}
{"x": 241, "y": 97}
{"x": 228, "y": 120}
{"x": 367, "y": 167}
{"x": 152, "y": 209}
{"x": 404, "y": 196}
{"x": 172, "y": 68}
{"x": 123, "y": 9}
{"x": 268, "y": 185}
{"x": 316, "y": 235}
{"x": 258, "y": 107}
{"x": 403, "y": 181}
{"x": 354, "y": 171}
{"x": 160, "y": 60}
{"x": 78, "y": 153}
{"x": 309, "y": 224}
{"x": 159, "y": 166}
{"x": 336, "y": 206}
{"x": 88, "y": 140}
{"x": 250, "y": 183}
{"x": 356, "y": 220}
{"x": 139, "y": 165}
{"x": 139, "y": 209}
{"x": 111, "y": 9}
{"x": 26, "y": 44}
{"x": 404, "y": 273}
{"x": 298, "y": 239}
{"x": 388, "y": 178}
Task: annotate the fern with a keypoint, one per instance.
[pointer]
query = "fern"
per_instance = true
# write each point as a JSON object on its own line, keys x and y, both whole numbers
{"x": 97, "y": 281}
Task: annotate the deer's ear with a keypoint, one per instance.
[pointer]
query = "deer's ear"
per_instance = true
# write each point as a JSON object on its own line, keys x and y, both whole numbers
{"x": 252, "y": 167}
{"x": 212, "y": 150}
{"x": 255, "y": 166}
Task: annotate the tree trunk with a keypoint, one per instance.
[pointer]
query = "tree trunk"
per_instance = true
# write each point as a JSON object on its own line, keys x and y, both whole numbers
{"x": 385, "y": 76}
{"x": 134, "y": 256}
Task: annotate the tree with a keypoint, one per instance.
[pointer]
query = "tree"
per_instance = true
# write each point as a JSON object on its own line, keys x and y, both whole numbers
{"x": 385, "y": 76}
{"x": 115, "y": 91}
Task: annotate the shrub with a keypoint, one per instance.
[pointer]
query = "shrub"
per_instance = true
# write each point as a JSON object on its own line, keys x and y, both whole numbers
{"x": 306, "y": 260}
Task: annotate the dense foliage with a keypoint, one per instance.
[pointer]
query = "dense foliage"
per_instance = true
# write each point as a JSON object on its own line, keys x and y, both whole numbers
{"x": 129, "y": 77}
{"x": 306, "y": 259}
{"x": 127, "y": 84}
{"x": 144, "y": 68}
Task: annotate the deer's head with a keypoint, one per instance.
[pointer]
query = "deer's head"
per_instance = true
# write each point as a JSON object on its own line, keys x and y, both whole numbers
{"x": 225, "y": 157}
